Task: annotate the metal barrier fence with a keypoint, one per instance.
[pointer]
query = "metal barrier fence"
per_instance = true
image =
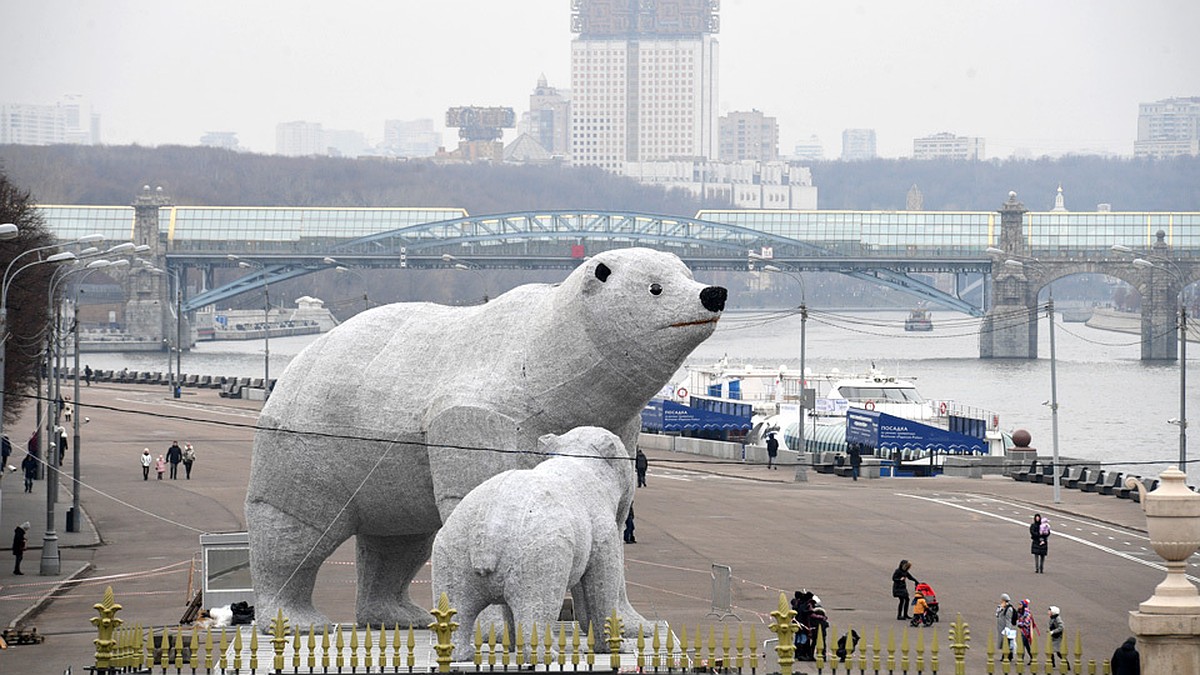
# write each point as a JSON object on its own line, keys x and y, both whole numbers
{"x": 188, "y": 649}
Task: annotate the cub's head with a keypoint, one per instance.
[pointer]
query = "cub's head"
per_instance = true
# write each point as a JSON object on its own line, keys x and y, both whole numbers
{"x": 643, "y": 309}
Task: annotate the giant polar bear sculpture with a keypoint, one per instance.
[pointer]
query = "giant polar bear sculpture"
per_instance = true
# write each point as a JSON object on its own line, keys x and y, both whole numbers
{"x": 381, "y": 426}
{"x": 524, "y": 537}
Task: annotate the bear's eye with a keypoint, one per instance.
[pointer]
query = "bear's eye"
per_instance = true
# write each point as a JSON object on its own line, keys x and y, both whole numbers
{"x": 655, "y": 289}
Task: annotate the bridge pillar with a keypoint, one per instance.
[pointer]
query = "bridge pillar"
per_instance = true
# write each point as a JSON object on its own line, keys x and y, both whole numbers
{"x": 147, "y": 314}
{"x": 1009, "y": 329}
{"x": 1160, "y": 309}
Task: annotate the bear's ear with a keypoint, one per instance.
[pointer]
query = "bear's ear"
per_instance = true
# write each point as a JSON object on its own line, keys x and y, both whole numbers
{"x": 596, "y": 278}
{"x": 548, "y": 444}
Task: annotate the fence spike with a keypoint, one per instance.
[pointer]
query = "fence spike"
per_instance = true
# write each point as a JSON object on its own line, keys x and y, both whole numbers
{"x": 105, "y": 624}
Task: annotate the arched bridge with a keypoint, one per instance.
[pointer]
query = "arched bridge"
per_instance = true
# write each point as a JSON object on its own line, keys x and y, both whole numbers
{"x": 559, "y": 239}
{"x": 885, "y": 247}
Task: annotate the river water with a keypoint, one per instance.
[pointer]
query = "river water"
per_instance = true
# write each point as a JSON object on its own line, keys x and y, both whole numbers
{"x": 1112, "y": 406}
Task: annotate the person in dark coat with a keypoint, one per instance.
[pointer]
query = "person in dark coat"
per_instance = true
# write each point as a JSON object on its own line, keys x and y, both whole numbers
{"x": 629, "y": 539}
{"x": 772, "y": 450}
{"x": 174, "y": 457}
{"x": 855, "y": 459}
{"x": 87, "y": 375}
{"x": 1039, "y": 534}
{"x": 18, "y": 545}
{"x": 29, "y": 466}
{"x": 1126, "y": 660}
{"x": 5, "y": 451}
{"x": 900, "y": 579}
{"x": 641, "y": 464}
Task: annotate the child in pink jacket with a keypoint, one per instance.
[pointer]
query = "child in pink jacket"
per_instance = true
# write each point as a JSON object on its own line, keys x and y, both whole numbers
{"x": 160, "y": 466}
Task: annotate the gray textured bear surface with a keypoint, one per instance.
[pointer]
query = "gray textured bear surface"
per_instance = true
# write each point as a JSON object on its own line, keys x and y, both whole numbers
{"x": 381, "y": 426}
{"x": 523, "y": 538}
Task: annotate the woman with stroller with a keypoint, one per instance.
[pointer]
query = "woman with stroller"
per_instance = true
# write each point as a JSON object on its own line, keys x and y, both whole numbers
{"x": 900, "y": 579}
{"x": 1026, "y": 626}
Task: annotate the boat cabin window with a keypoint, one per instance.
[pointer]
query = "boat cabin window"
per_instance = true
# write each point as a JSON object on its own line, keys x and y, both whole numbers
{"x": 881, "y": 394}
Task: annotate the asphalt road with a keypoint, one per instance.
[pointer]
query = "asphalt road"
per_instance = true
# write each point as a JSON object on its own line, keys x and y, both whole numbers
{"x": 841, "y": 539}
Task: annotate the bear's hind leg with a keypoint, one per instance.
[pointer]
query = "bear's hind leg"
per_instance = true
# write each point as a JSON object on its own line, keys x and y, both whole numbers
{"x": 285, "y": 556}
{"x": 386, "y": 567}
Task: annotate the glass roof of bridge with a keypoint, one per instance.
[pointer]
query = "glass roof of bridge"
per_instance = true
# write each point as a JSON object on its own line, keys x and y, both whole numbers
{"x": 968, "y": 231}
{"x": 947, "y": 232}
{"x": 204, "y": 223}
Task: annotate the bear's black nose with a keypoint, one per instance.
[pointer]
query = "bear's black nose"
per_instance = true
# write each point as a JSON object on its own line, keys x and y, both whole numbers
{"x": 713, "y": 298}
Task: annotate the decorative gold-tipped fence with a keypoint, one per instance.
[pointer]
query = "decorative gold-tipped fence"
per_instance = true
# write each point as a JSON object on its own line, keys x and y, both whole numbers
{"x": 559, "y": 648}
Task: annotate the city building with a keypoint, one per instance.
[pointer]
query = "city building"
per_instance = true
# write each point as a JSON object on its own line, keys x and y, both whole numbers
{"x": 810, "y": 150}
{"x": 67, "y": 121}
{"x": 344, "y": 143}
{"x": 748, "y": 135}
{"x": 220, "y": 139}
{"x": 946, "y": 145}
{"x": 1168, "y": 128}
{"x": 643, "y": 82}
{"x": 299, "y": 139}
{"x": 411, "y": 138}
{"x": 548, "y": 121}
{"x": 858, "y": 145}
{"x": 747, "y": 184}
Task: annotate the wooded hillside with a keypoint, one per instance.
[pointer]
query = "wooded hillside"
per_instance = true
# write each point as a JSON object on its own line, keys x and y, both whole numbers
{"x": 210, "y": 176}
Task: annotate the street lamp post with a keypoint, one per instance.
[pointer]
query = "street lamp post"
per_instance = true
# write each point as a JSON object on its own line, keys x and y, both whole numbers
{"x": 250, "y": 264}
{"x": 1167, "y": 265}
{"x": 1017, "y": 264}
{"x": 343, "y": 269}
{"x": 800, "y": 436}
{"x": 9, "y": 231}
{"x": 460, "y": 264}
{"x": 76, "y": 513}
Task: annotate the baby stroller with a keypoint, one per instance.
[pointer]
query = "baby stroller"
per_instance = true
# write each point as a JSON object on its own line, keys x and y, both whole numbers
{"x": 930, "y": 616}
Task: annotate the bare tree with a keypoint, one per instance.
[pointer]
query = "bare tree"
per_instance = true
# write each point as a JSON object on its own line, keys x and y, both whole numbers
{"x": 27, "y": 319}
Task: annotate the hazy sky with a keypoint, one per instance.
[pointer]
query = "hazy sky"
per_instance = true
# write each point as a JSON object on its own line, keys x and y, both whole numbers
{"x": 1045, "y": 75}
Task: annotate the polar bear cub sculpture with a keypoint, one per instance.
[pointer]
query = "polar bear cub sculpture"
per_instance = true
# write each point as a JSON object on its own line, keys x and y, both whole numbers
{"x": 379, "y": 427}
{"x": 525, "y": 537}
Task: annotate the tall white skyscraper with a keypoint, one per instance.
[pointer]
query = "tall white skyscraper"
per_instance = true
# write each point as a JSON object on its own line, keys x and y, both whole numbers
{"x": 68, "y": 121}
{"x": 643, "y": 81}
{"x": 300, "y": 139}
{"x": 1168, "y": 128}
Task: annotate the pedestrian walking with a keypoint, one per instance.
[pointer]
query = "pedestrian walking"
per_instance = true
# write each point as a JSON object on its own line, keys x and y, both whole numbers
{"x": 1006, "y": 625}
{"x": 147, "y": 460}
{"x": 18, "y": 545}
{"x": 1126, "y": 660}
{"x": 174, "y": 457}
{"x": 160, "y": 466}
{"x": 189, "y": 458}
{"x": 5, "y": 451}
{"x": 1026, "y": 626}
{"x": 629, "y": 538}
{"x": 87, "y": 375}
{"x": 60, "y": 435}
{"x": 900, "y": 579}
{"x": 641, "y": 464}
{"x": 772, "y": 450}
{"x": 1057, "y": 629}
{"x": 1039, "y": 535}
{"x": 29, "y": 466}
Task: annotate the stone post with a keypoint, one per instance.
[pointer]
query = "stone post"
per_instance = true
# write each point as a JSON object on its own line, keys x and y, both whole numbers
{"x": 1167, "y": 625}
{"x": 1009, "y": 330}
{"x": 1160, "y": 306}
{"x": 147, "y": 315}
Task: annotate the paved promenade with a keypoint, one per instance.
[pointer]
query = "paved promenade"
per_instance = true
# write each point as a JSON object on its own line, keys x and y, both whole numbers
{"x": 842, "y": 539}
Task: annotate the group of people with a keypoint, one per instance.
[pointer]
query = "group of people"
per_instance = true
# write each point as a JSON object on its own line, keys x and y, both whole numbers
{"x": 1012, "y": 620}
{"x": 176, "y": 455}
{"x": 813, "y": 623}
